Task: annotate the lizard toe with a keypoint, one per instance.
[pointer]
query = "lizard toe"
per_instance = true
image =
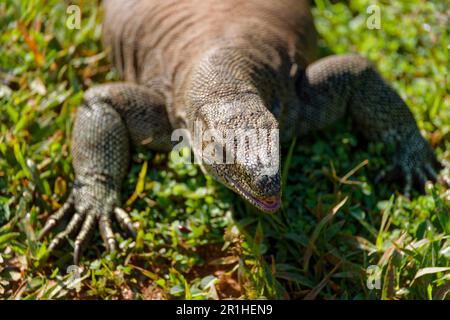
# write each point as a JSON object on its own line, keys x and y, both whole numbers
{"x": 107, "y": 233}
{"x": 125, "y": 221}
{"x": 72, "y": 227}
{"x": 420, "y": 180}
{"x": 84, "y": 236}
{"x": 55, "y": 219}
{"x": 408, "y": 177}
{"x": 431, "y": 172}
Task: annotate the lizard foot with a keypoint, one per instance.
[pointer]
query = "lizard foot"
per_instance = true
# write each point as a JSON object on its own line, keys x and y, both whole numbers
{"x": 416, "y": 167}
{"x": 86, "y": 209}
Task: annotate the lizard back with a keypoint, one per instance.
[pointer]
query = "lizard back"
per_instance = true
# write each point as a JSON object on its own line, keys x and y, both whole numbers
{"x": 157, "y": 42}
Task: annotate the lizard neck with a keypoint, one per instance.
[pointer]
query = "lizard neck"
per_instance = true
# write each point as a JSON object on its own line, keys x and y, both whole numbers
{"x": 228, "y": 72}
{"x": 235, "y": 73}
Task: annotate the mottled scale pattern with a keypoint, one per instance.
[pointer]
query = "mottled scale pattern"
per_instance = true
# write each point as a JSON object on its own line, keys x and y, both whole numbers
{"x": 234, "y": 64}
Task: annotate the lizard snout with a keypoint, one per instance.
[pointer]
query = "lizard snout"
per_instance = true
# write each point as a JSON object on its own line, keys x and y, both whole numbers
{"x": 268, "y": 186}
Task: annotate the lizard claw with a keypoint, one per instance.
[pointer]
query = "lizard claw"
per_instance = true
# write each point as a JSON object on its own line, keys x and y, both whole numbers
{"x": 83, "y": 237}
{"x": 83, "y": 205}
{"x": 125, "y": 222}
{"x": 418, "y": 168}
{"x": 56, "y": 218}
{"x": 408, "y": 184}
{"x": 71, "y": 228}
{"x": 107, "y": 233}
{"x": 418, "y": 177}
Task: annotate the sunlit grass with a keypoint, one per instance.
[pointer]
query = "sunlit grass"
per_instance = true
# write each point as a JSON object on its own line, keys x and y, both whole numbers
{"x": 196, "y": 239}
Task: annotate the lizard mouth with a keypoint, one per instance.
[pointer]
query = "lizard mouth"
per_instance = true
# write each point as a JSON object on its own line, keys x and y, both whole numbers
{"x": 268, "y": 204}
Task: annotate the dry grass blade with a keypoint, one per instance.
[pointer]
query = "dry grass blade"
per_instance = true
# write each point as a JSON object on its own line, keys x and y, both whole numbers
{"x": 431, "y": 270}
{"x": 345, "y": 178}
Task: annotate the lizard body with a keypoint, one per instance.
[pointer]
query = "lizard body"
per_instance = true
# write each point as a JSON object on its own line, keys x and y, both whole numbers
{"x": 231, "y": 64}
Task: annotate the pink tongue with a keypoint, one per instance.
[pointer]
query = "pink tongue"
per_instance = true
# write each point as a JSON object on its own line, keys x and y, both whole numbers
{"x": 270, "y": 202}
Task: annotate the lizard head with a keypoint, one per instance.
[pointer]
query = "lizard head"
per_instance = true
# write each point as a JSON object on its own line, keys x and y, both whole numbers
{"x": 239, "y": 145}
{"x": 236, "y": 142}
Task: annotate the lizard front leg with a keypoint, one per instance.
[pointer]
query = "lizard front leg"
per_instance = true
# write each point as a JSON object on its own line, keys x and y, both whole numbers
{"x": 112, "y": 115}
{"x": 349, "y": 84}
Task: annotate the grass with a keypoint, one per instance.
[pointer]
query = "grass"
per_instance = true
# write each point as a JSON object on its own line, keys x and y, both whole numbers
{"x": 337, "y": 232}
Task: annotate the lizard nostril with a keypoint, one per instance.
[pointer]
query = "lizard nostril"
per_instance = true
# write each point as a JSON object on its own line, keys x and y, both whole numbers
{"x": 269, "y": 185}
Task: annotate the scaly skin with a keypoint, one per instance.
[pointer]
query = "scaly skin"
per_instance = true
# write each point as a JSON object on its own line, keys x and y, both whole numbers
{"x": 231, "y": 64}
